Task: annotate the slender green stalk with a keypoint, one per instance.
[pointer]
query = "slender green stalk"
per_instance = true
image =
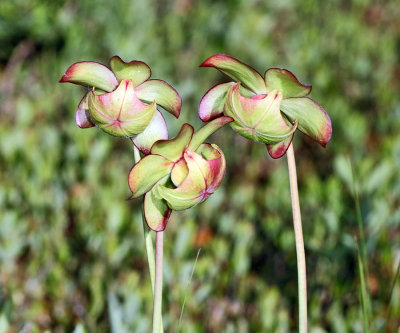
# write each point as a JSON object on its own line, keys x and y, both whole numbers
{"x": 389, "y": 307}
{"x": 157, "y": 312}
{"x": 298, "y": 233}
{"x": 364, "y": 303}
{"x": 187, "y": 290}
{"x": 362, "y": 247}
{"x": 148, "y": 241}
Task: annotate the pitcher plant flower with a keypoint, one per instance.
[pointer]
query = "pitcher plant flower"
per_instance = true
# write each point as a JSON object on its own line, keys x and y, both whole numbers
{"x": 178, "y": 173}
{"x": 269, "y": 110}
{"x": 122, "y": 101}
{"x": 266, "y": 110}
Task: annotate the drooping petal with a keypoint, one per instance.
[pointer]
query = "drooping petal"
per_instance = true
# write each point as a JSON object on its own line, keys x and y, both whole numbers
{"x": 312, "y": 118}
{"x": 82, "y": 113}
{"x": 147, "y": 172}
{"x": 162, "y": 93}
{"x": 257, "y": 118}
{"x": 156, "y": 130}
{"x": 156, "y": 210}
{"x": 212, "y": 104}
{"x": 92, "y": 74}
{"x": 174, "y": 148}
{"x": 204, "y": 132}
{"x": 137, "y": 71}
{"x": 238, "y": 71}
{"x": 277, "y": 150}
{"x": 120, "y": 113}
{"x": 285, "y": 81}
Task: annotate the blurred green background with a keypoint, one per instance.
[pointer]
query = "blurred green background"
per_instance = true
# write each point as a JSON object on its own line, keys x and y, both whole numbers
{"x": 71, "y": 246}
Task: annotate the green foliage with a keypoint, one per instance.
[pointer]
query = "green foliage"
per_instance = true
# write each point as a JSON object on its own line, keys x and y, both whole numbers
{"x": 71, "y": 248}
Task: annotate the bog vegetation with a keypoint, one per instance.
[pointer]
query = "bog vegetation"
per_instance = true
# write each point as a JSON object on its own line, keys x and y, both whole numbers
{"x": 71, "y": 248}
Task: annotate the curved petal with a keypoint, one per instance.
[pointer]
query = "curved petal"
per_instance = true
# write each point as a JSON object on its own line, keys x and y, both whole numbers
{"x": 312, "y": 118}
{"x": 179, "y": 172}
{"x": 217, "y": 164}
{"x": 204, "y": 132}
{"x": 277, "y": 150}
{"x": 238, "y": 71}
{"x": 137, "y": 71}
{"x": 93, "y": 74}
{"x": 173, "y": 149}
{"x": 162, "y": 93}
{"x": 147, "y": 172}
{"x": 191, "y": 191}
{"x": 82, "y": 113}
{"x": 285, "y": 81}
{"x": 156, "y": 210}
{"x": 156, "y": 130}
{"x": 212, "y": 104}
{"x": 120, "y": 113}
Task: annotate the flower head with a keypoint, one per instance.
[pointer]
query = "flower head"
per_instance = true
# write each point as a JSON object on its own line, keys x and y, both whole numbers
{"x": 266, "y": 110}
{"x": 178, "y": 173}
{"x": 123, "y": 101}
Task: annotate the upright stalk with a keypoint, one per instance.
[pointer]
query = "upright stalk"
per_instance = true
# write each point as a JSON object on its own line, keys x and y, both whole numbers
{"x": 148, "y": 243}
{"x": 298, "y": 233}
{"x": 157, "y": 314}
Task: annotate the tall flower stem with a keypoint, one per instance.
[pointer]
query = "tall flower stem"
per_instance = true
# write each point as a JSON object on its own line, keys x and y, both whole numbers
{"x": 157, "y": 314}
{"x": 148, "y": 243}
{"x": 298, "y": 233}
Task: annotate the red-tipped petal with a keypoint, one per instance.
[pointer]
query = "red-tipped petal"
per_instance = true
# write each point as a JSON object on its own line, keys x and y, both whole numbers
{"x": 279, "y": 149}
{"x": 162, "y": 93}
{"x": 238, "y": 71}
{"x": 137, "y": 71}
{"x": 285, "y": 81}
{"x": 93, "y": 74}
{"x": 312, "y": 118}
{"x": 156, "y": 210}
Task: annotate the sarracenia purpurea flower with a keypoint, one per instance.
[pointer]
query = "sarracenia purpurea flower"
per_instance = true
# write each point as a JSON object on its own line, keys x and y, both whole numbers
{"x": 123, "y": 100}
{"x": 178, "y": 173}
{"x": 266, "y": 110}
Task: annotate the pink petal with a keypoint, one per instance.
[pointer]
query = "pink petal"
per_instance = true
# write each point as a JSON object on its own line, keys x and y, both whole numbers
{"x": 82, "y": 113}
{"x": 92, "y": 74}
{"x": 212, "y": 104}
